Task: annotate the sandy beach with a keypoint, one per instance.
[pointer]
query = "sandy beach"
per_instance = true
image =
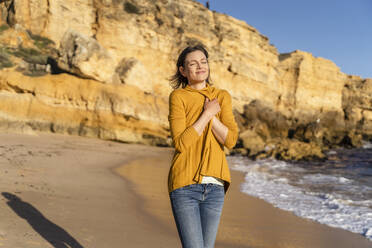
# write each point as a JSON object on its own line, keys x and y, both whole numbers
{"x": 68, "y": 191}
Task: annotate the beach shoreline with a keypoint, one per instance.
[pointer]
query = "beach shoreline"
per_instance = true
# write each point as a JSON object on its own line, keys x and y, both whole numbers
{"x": 262, "y": 225}
{"x": 106, "y": 194}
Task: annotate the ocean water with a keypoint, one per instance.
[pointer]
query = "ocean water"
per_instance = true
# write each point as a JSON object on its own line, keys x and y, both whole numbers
{"x": 337, "y": 192}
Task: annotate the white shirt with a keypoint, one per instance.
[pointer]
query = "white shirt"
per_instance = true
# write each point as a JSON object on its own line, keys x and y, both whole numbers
{"x": 214, "y": 180}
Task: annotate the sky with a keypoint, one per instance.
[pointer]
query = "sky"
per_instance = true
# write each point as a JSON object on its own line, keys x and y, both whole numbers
{"x": 338, "y": 30}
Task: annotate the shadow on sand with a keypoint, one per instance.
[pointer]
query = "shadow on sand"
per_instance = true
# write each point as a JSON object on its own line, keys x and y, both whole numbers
{"x": 51, "y": 232}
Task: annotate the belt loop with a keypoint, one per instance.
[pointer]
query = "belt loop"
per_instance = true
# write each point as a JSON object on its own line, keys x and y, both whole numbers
{"x": 204, "y": 187}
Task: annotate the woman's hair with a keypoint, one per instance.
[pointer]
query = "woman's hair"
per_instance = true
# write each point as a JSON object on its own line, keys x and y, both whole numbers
{"x": 178, "y": 79}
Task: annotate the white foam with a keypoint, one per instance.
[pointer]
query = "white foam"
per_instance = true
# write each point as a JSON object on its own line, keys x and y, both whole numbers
{"x": 367, "y": 145}
{"x": 368, "y": 233}
{"x": 327, "y": 208}
{"x": 331, "y": 152}
{"x": 324, "y": 179}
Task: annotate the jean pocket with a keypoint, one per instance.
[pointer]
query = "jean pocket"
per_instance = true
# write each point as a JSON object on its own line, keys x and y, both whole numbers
{"x": 218, "y": 188}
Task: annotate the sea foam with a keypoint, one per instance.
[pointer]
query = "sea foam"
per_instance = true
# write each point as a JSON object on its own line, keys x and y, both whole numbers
{"x": 274, "y": 182}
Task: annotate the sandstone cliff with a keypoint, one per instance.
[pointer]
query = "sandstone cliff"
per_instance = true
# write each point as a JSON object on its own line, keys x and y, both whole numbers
{"x": 99, "y": 68}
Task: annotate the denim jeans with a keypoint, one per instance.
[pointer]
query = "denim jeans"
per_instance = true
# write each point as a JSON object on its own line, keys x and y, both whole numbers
{"x": 197, "y": 210}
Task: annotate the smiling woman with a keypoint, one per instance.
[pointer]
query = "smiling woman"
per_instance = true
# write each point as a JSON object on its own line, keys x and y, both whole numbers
{"x": 201, "y": 123}
{"x": 196, "y": 69}
{"x": 190, "y": 60}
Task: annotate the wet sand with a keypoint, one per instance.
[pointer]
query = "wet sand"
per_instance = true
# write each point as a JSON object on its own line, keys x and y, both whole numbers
{"x": 68, "y": 191}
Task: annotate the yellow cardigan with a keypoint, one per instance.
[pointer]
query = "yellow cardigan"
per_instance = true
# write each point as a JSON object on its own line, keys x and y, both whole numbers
{"x": 195, "y": 156}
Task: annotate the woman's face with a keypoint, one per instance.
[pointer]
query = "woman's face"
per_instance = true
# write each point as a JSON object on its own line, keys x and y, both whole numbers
{"x": 196, "y": 68}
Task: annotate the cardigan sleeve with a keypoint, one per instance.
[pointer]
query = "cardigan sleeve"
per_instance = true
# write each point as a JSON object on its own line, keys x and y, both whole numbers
{"x": 227, "y": 118}
{"x": 183, "y": 137}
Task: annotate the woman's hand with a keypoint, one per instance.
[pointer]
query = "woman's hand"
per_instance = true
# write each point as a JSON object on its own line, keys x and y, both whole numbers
{"x": 212, "y": 107}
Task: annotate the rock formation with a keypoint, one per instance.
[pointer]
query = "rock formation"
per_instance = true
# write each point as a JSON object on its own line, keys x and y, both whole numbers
{"x": 100, "y": 67}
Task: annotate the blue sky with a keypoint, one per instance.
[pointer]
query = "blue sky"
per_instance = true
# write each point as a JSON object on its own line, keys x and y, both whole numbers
{"x": 339, "y": 30}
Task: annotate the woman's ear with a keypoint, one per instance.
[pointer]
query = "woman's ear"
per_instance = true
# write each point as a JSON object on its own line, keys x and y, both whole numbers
{"x": 182, "y": 71}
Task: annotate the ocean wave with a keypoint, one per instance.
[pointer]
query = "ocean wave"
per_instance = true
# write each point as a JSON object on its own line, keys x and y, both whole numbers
{"x": 367, "y": 145}
{"x": 272, "y": 181}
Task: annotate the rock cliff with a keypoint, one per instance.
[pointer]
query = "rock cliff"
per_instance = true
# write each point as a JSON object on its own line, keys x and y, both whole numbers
{"x": 100, "y": 67}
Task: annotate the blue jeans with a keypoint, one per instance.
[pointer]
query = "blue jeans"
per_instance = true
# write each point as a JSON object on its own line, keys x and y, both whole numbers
{"x": 197, "y": 210}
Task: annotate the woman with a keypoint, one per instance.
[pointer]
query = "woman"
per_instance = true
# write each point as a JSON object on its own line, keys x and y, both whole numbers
{"x": 201, "y": 123}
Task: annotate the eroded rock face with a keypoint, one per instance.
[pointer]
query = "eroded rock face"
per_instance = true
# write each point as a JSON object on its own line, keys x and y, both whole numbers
{"x": 132, "y": 72}
{"x": 154, "y": 32}
{"x": 85, "y": 57}
{"x": 66, "y": 104}
{"x": 120, "y": 54}
{"x": 357, "y": 105}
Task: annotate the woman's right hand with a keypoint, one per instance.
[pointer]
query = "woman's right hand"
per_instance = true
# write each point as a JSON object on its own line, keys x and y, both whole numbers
{"x": 212, "y": 107}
